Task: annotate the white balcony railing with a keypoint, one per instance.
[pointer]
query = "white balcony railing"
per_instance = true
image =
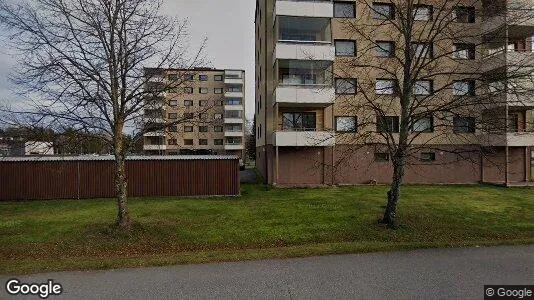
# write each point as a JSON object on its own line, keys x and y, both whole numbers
{"x": 234, "y": 107}
{"x": 305, "y": 51}
{"x": 233, "y": 120}
{"x": 233, "y": 94}
{"x": 154, "y": 147}
{"x": 314, "y": 95}
{"x": 154, "y": 133}
{"x": 234, "y": 133}
{"x": 514, "y": 139}
{"x": 234, "y": 147}
{"x": 304, "y": 138}
{"x": 320, "y": 9}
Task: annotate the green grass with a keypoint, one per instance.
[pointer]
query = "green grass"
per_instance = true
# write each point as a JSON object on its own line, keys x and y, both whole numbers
{"x": 262, "y": 223}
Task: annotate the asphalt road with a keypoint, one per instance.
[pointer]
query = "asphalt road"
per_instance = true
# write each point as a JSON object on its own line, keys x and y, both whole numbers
{"x": 421, "y": 274}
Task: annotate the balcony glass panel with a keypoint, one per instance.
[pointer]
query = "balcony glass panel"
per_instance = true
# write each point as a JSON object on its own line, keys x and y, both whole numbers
{"x": 304, "y": 29}
{"x": 298, "y": 72}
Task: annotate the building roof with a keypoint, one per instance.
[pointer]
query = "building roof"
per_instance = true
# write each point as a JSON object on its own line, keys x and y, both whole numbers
{"x": 112, "y": 158}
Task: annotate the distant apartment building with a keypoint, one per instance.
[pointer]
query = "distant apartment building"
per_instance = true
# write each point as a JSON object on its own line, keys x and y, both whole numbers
{"x": 203, "y": 114}
{"x": 16, "y": 146}
{"x": 304, "y": 134}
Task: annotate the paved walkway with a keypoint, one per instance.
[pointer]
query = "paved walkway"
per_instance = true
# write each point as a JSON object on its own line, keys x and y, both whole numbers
{"x": 421, "y": 274}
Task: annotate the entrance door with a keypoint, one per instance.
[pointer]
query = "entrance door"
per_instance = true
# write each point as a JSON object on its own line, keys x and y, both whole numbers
{"x": 531, "y": 164}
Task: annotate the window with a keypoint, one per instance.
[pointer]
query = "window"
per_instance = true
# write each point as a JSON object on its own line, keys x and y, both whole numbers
{"x": 422, "y": 12}
{"x": 218, "y": 142}
{"x": 385, "y": 86}
{"x": 218, "y": 78}
{"x": 188, "y": 128}
{"x": 428, "y": 156}
{"x": 173, "y": 116}
{"x": 346, "y": 124}
{"x": 173, "y": 128}
{"x": 188, "y": 90}
{"x": 189, "y": 77}
{"x": 463, "y": 88}
{"x": 173, "y": 103}
{"x": 188, "y": 103}
{"x": 203, "y": 116}
{"x": 422, "y": 50}
{"x": 345, "y": 86}
{"x": 383, "y": 11}
{"x": 217, "y": 116}
{"x": 463, "y": 51}
{"x": 345, "y": 48}
{"x": 464, "y": 124}
{"x": 299, "y": 121}
{"x": 388, "y": 124}
{"x": 203, "y": 142}
{"x": 425, "y": 124}
{"x": 217, "y": 128}
{"x": 344, "y": 10}
{"x": 203, "y": 90}
{"x": 173, "y": 77}
{"x": 385, "y": 49}
{"x": 234, "y": 101}
{"x": 462, "y": 14}
{"x": 203, "y": 129}
{"x": 423, "y": 88}
{"x": 218, "y": 90}
{"x": 173, "y": 142}
{"x": 381, "y": 157}
{"x": 234, "y": 89}
{"x": 203, "y": 103}
{"x": 189, "y": 116}
{"x": 203, "y": 77}
{"x": 188, "y": 142}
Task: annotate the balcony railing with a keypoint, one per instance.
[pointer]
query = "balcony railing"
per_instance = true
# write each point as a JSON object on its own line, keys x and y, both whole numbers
{"x": 309, "y": 8}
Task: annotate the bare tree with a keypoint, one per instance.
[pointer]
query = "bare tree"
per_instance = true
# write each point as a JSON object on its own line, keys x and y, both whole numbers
{"x": 85, "y": 64}
{"x": 429, "y": 73}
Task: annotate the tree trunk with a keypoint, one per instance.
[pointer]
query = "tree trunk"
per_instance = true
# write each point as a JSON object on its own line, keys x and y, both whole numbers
{"x": 390, "y": 215}
{"x": 121, "y": 186}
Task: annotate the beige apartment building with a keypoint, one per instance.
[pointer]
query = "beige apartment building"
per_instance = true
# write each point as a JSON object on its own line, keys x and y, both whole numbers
{"x": 307, "y": 135}
{"x": 202, "y": 112}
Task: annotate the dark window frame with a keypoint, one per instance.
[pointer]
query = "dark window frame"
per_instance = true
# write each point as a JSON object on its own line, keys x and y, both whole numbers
{"x": 346, "y": 79}
{"x": 391, "y": 15}
{"x": 391, "y": 53}
{"x": 347, "y": 131}
{"x": 470, "y": 128}
{"x": 302, "y": 118}
{"x": 347, "y": 41}
{"x": 383, "y": 121}
{"x": 353, "y": 4}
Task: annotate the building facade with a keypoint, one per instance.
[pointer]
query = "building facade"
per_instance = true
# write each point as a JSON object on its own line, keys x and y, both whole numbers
{"x": 195, "y": 111}
{"x": 307, "y": 136}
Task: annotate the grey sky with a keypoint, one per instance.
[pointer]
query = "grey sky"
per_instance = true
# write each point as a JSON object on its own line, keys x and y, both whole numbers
{"x": 228, "y": 25}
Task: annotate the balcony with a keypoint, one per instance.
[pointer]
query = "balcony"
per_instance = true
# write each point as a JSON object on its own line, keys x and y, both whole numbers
{"x": 154, "y": 147}
{"x": 155, "y": 134}
{"x": 234, "y": 147}
{"x": 305, "y": 51}
{"x": 515, "y": 59}
{"x": 234, "y": 77}
{"x": 234, "y": 107}
{"x": 515, "y": 139}
{"x": 233, "y": 121}
{"x": 304, "y": 139}
{"x": 233, "y": 94}
{"x": 321, "y": 96}
{"x": 518, "y": 15}
{"x": 322, "y": 9}
{"x": 234, "y": 133}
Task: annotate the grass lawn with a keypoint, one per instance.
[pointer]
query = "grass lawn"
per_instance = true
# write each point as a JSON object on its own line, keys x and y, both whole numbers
{"x": 262, "y": 223}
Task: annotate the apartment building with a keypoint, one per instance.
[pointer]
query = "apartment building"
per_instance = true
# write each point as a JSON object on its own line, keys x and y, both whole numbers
{"x": 201, "y": 112}
{"x": 306, "y": 135}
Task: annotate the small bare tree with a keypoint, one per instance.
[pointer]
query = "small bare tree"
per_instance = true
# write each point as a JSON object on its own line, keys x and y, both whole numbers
{"x": 426, "y": 76}
{"x": 84, "y": 63}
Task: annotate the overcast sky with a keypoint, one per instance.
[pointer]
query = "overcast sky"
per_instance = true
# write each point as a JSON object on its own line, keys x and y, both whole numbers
{"x": 228, "y": 25}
